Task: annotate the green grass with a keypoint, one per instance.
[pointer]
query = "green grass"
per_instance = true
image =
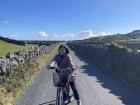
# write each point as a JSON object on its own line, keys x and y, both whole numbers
{"x": 10, "y": 88}
{"x": 8, "y": 47}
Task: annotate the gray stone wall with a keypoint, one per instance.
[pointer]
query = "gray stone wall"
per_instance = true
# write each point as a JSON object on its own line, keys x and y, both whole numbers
{"x": 10, "y": 60}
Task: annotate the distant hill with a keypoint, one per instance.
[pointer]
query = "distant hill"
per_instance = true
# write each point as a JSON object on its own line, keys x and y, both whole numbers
{"x": 132, "y": 36}
{"x": 134, "y": 33}
{"x": 24, "y": 42}
{"x": 130, "y": 40}
{"x": 12, "y": 41}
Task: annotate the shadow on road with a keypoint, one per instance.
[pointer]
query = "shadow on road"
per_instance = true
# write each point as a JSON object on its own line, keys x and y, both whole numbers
{"x": 49, "y": 103}
{"x": 125, "y": 93}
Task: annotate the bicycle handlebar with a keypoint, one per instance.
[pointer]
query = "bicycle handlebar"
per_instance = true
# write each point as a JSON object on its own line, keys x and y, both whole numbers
{"x": 57, "y": 69}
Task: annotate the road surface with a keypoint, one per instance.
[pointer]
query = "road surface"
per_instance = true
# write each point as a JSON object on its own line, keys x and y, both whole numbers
{"x": 96, "y": 87}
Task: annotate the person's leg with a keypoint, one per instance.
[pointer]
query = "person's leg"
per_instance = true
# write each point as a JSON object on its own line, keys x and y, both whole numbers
{"x": 66, "y": 95}
{"x": 74, "y": 89}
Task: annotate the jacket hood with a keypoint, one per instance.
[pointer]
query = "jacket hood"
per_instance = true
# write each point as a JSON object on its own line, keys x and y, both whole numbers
{"x": 67, "y": 50}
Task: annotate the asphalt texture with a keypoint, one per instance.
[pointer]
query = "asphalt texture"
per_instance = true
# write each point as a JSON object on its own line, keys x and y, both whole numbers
{"x": 95, "y": 86}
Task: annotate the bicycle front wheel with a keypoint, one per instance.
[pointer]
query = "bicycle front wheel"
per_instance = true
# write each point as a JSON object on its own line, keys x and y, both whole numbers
{"x": 59, "y": 96}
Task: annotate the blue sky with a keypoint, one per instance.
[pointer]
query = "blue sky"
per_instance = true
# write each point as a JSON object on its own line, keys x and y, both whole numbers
{"x": 67, "y": 19}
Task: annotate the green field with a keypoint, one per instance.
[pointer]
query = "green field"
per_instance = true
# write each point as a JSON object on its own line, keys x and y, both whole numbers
{"x": 8, "y": 47}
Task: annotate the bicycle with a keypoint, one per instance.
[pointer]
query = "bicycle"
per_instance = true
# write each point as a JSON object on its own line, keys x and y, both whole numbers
{"x": 61, "y": 81}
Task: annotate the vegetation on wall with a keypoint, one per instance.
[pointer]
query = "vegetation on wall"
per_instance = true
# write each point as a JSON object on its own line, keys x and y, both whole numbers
{"x": 118, "y": 59}
{"x": 20, "y": 76}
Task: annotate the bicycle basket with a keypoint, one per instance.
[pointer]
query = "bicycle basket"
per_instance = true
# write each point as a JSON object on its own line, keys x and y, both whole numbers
{"x": 62, "y": 78}
{"x": 56, "y": 79}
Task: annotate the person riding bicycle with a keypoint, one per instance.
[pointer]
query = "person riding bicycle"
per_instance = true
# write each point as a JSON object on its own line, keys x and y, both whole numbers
{"x": 64, "y": 60}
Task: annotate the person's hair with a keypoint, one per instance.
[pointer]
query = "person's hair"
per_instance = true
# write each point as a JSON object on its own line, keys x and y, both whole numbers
{"x": 67, "y": 50}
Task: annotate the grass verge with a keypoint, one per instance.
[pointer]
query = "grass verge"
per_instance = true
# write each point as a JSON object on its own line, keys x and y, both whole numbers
{"x": 21, "y": 76}
{"x": 9, "y": 47}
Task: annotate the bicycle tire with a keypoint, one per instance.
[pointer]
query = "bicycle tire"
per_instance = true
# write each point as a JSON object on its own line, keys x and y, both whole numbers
{"x": 67, "y": 90}
{"x": 59, "y": 97}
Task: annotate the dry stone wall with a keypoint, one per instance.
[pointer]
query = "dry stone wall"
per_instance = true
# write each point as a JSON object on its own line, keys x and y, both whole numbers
{"x": 11, "y": 60}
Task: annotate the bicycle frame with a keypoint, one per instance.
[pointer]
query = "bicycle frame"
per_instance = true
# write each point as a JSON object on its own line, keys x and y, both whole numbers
{"x": 62, "y": 90}
{"x": 62, "y": 94}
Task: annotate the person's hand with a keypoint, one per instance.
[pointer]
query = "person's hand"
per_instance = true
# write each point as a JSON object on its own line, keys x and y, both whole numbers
{"x": 49, "y": 66}
{"x": 73, "y": 69}
{"x": 52, "y": 64}
{"x": 74, "y": 73}
{"x": 73, "y": 76}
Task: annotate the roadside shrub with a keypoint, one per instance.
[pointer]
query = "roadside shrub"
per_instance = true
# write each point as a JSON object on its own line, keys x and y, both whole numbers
{"x": 12, "y": 85}
{"x": 118, "y": 59}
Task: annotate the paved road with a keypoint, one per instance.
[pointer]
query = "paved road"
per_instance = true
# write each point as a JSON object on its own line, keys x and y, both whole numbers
{"x": 96, "y": 87}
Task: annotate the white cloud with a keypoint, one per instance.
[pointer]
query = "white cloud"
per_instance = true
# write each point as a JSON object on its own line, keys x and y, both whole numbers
{"x": 86, "y": 34}
{"x": 89, "y": 33}
{"x": 72, "y": 36}
{"x": 103, "y": 33}
{"x": 13, "y": 35}
{"x": 5, "y": 22}
{"x": 64, "y": 36}
{"x": 55, "y": 35}
{"x": 42, "y": 34}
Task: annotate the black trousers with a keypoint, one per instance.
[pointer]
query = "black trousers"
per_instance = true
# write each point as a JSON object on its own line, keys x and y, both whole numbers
{"x": 74, "y": 89}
